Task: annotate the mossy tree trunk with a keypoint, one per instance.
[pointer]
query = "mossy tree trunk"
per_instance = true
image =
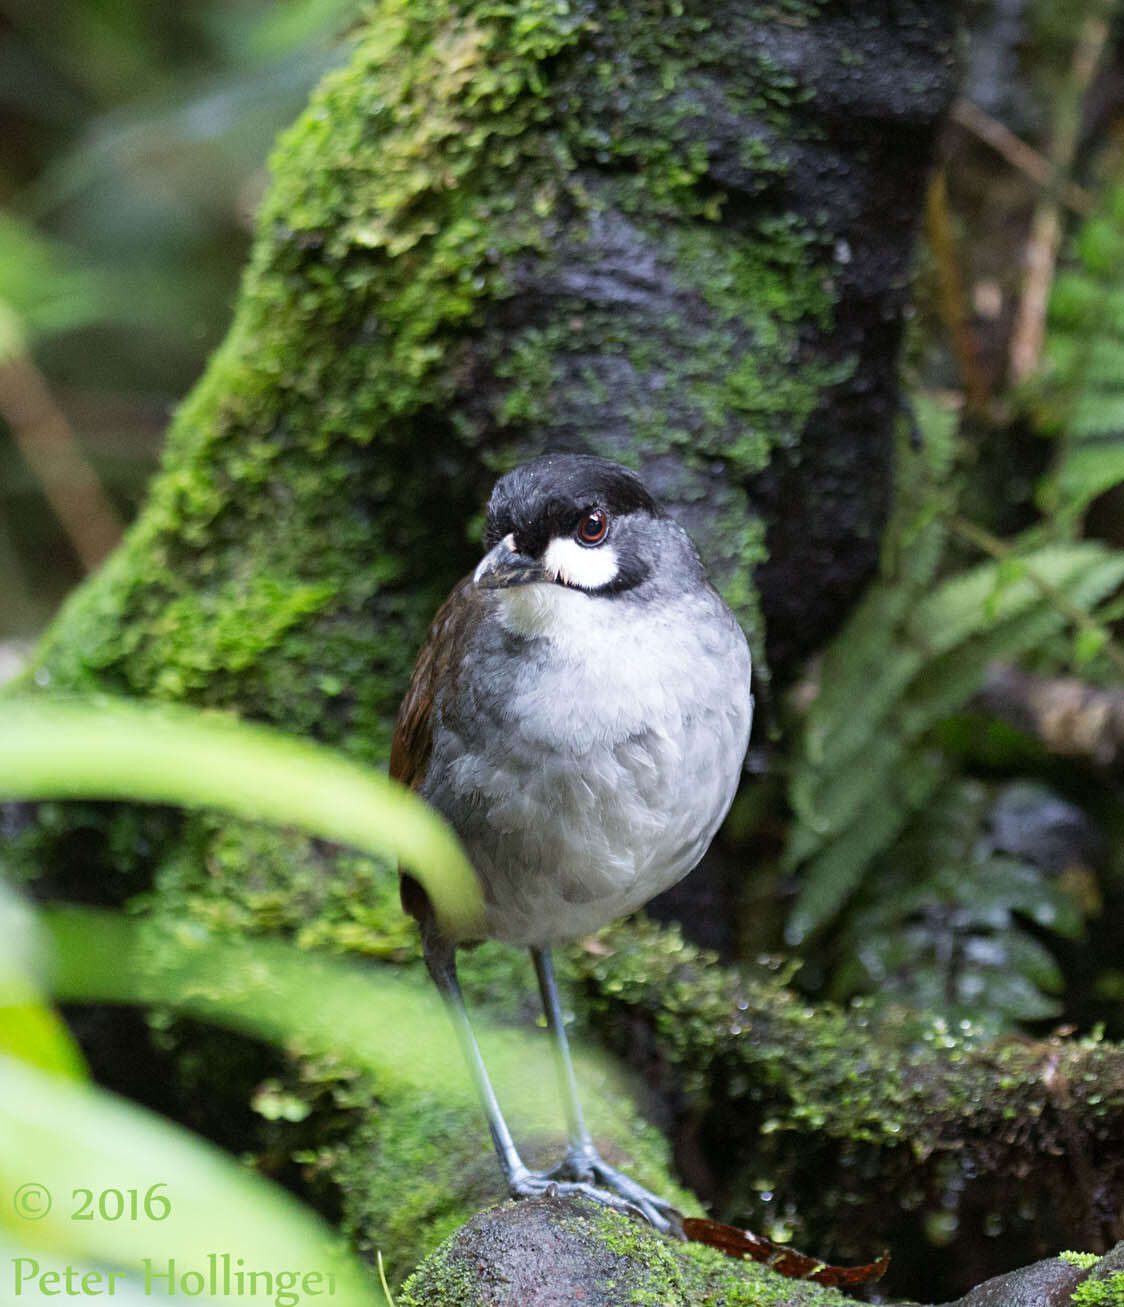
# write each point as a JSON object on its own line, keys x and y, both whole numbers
{"x": 674, "y": 233}
{"x": 677, "y": 234}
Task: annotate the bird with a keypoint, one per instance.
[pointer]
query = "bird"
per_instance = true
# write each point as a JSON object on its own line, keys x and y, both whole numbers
{"x": 579, "y": 713}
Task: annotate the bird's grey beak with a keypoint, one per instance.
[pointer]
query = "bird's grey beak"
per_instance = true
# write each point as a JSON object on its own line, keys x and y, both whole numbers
{"x": 504, "y": 566}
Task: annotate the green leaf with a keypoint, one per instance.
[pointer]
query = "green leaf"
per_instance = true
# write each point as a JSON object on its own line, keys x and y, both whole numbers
{"x": 827, "y": 801}
{"x": 42, "y": 285}
{"x": 1088, "y": 642}
{"x": 1082, "y": 392}
{"x": 1090, "y": 470}
{"x": 110, "y": 749}
{"x": 192, "y": 1201}
{"x": 941, "y": 924}
{"x": 832, "y": 876}
{"x": 391, "y": 1025}
{"x": 30, "y": 1031}
{"x": 962, "y": 606}
{"x": 902, "y": 664}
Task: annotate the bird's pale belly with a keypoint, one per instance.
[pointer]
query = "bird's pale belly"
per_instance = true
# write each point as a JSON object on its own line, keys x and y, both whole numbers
{"x": 566, "y": 841}
{"x": 590, "y": 763}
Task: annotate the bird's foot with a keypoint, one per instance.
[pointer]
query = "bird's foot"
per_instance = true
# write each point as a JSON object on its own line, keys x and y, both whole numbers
{"x": 626, "y": 1196}
{"x": 584, "y": 1172}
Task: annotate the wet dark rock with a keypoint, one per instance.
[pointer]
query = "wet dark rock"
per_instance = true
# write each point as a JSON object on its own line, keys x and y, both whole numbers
{"x": 1112, "y": 1263}
{"x": 539, "y": 1253}
{"x": 1048, "y": 1283}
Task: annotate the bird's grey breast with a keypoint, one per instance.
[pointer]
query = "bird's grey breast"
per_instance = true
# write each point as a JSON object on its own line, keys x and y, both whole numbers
{"x": 589, "y": 755}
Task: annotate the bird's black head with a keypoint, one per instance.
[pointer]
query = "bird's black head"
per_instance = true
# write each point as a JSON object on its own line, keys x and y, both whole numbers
{"x": 580, "y": 519}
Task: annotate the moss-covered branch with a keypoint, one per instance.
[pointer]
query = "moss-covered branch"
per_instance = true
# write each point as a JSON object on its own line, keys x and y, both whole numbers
{"x": 551, "y": 1252}
{"x": 827, "y": 1123}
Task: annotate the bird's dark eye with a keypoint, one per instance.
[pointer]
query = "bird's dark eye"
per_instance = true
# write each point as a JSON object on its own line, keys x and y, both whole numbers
{"x": 593, "y": 528}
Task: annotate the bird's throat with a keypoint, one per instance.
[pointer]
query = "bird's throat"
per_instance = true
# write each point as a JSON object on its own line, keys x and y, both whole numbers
{"x": 546, "y": 611}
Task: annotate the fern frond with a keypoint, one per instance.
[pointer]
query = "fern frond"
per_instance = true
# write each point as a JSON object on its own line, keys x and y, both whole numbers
{"x": 839, "y": 864}
{"x": 911, "y": 656}
{"x": 1081, "y": 396}
{"x": 942, "y": 925}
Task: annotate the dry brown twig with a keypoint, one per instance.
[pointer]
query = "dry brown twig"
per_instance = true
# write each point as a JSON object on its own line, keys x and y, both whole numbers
{"x": 1025, "y": 158}
{"x": 1029, "y": 330}
{"x": 951, "y": 300}
{"x": 1069, "y": 717}
{"x": 45, "y": 439}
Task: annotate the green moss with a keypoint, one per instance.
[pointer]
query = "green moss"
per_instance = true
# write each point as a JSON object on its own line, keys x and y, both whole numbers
{"x": 714, "y": 1280}
{"x": 852, "y": 1074}
{"x": 308, "y": 517}
{"x": 649, "y": 1271}
{"x": 415, "y": 1171}
{"x": 457, "y": 1283}
{"x": 621, "y": 1261}
{"x": 1108, "y": 1292}
{"x": 1083, "y": 1261}
{"x": 240, "y": 877}
{"x": 275, "y": 565}
{"x": 420, "y": 1166}
{"x": 823, "y": 1099}
{"x": 251, "y": 575}
{"x": 298, "y": 538}
{"x": 719, "y": 379}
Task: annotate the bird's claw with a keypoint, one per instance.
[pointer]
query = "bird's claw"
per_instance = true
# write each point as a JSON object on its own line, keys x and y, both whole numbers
{"x": 585, "y": 1175}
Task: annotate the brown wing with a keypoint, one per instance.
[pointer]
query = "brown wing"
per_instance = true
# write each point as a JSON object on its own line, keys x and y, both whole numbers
{"x": 438, "y": 664}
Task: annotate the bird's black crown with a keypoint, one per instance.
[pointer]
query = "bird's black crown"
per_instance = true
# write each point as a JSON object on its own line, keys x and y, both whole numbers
{"x": 547, "y": 497}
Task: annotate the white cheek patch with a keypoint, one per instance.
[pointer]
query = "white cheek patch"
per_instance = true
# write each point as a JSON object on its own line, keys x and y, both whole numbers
{"x": 574, "y": 564}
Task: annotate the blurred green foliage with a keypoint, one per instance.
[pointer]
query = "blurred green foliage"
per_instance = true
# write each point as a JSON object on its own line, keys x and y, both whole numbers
{"x": 133, "y": 144}
{"x": 891, "y": 834}
{"x": 161, "y": 1193}
{"x": 1080, "y": 393}
{"x": 59, "y": 1129}
{"x": 106, "y": 749}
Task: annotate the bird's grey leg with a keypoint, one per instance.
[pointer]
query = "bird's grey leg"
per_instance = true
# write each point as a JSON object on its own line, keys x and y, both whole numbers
{"x": 581, "y": 1141}
{"x": 522, "y": 1182}
{"x": 582, "y": 1161}
{"x": 440, "y": 961}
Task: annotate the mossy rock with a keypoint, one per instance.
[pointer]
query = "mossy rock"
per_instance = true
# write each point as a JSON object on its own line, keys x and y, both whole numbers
{"x": 419, "y": 1167}
{"x": 553, "y": 1252}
